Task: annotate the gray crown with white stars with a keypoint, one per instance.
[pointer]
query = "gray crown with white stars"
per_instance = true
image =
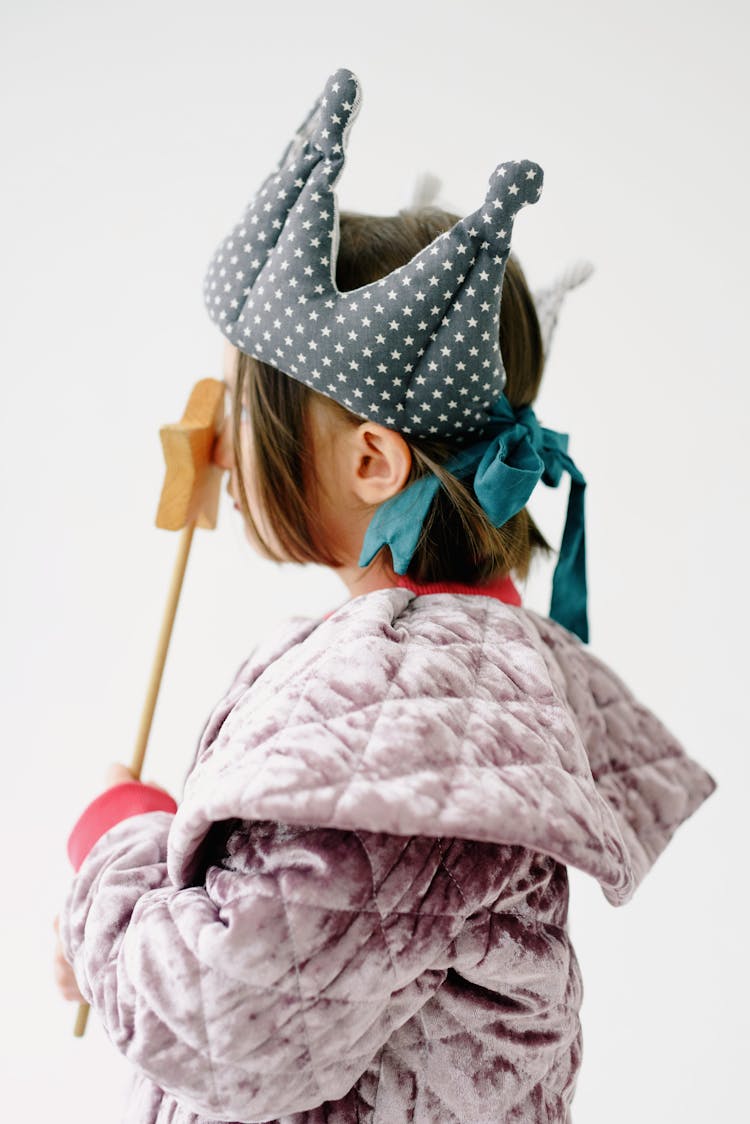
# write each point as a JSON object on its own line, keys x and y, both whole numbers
{"x": 417, "y": 351}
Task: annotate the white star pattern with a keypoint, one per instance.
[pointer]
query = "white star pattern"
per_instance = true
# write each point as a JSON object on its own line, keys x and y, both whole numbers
{"x": 272, "y": 280}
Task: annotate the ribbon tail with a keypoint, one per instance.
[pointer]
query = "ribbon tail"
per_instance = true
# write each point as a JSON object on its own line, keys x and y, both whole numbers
{"x": 569, "y": 594}
{"x": 397, "y": 523}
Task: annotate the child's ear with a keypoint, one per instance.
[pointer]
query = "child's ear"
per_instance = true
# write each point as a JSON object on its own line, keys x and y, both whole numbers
{"x": 381, "y": 463}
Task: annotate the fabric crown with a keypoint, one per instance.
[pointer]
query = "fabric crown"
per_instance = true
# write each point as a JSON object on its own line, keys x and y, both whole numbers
{"x": 417, "y": 351}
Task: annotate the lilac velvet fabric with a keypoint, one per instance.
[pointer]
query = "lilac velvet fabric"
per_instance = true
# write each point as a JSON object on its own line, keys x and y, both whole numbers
{"x": 358, "y": 912}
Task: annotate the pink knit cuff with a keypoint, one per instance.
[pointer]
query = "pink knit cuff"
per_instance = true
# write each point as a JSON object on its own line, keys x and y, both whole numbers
{"x": 115, "y": 804}
{"x": 502, "y": 588}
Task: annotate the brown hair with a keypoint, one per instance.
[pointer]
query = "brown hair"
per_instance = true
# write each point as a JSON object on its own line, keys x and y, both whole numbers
{"x": 458, "y": 542}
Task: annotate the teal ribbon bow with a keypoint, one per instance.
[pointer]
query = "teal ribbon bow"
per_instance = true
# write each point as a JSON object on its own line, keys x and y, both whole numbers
{"x": 506, "y": 467}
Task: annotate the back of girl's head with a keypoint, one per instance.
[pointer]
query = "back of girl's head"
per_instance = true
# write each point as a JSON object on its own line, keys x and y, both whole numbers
{"x": 458, "y": 543}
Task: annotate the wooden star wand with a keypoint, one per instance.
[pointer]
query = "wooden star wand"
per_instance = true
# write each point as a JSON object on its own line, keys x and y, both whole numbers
{"x": 189, "y": 499}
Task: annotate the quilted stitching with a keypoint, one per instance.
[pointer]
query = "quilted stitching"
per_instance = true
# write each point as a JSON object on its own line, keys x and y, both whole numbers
{"x": 547, "y": 790}
{"x": 383, "y": 934}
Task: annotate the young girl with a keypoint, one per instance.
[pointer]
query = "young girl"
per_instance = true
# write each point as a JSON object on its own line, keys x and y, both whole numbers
{"x": 358, "y": 910}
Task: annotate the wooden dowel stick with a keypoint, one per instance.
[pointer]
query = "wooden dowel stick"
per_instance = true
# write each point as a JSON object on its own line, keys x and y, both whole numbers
{"x": 152, "y": 692}
{"x": 162, "y": 647}
{"x": 81, "y": 1019}
{"x": 190, "y": 497}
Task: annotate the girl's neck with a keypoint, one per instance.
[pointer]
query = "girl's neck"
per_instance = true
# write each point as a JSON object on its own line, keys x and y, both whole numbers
{"x": 377, "y": 576}
{"x": 382, "y": 576}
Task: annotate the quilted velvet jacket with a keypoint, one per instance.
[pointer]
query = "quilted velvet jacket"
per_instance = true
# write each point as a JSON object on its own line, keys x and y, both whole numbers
{"x": 358, "y": 911}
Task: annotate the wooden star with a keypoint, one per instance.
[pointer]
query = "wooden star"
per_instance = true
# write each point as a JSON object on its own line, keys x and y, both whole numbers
{"x": 190, "y": 493}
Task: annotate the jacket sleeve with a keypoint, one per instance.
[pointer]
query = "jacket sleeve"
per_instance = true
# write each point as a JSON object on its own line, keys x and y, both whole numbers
{"x": 269, "y": 988}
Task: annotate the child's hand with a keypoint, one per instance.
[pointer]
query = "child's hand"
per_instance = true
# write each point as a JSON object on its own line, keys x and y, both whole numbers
{"x": 121, "y": 774}
{"x": 118, "y": 774}
{"x": 64, "y": 977}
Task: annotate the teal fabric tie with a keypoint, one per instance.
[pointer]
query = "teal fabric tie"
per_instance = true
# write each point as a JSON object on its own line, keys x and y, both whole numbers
{"x": 506, "y": 468}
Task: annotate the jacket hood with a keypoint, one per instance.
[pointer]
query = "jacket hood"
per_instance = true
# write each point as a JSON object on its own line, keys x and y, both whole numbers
{"x": 443, "y": 715}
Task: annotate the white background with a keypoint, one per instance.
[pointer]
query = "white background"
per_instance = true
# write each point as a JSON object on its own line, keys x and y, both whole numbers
{"x": 132, "y": 137}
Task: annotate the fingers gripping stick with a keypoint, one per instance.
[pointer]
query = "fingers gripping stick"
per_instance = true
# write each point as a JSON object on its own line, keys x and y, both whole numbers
{"x": 189, "y": 498}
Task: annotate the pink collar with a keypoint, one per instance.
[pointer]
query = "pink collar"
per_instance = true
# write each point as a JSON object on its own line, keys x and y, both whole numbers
{"x": 502, "y": 588}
